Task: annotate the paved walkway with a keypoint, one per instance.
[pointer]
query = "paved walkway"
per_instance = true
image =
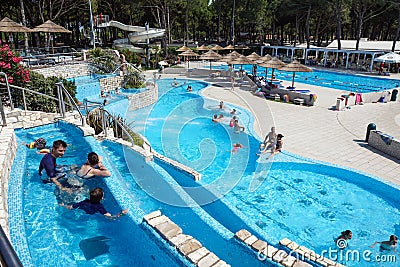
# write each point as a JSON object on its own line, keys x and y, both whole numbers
{"x": 319, "y": 132}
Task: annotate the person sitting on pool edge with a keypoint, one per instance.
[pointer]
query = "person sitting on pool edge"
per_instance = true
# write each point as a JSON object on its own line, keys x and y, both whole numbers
{"x": 94, "y": 205}
{"x": 93, "y": 167}
{"x": 279, "y": 144}
{"x": 391, "y": 244}
{"x": 48, "y": 163}
{"x": 269, "y": 141}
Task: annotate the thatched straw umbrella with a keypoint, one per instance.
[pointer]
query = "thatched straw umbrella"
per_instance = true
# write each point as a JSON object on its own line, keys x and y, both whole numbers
{"x": 295, "y": 66}
{"x": 210, "y": 55}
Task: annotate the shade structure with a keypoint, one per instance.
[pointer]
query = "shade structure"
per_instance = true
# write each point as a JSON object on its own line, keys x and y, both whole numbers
{"x": 8, "y": 25}
{"x": 217, "y": 48}
{"x": 295, "y": 66}
{"x": 263, "y": 59}
{"x": 202, "y": 48}
{"x": 253, "y": 56}
{"x": 210, "y": 55}
{"x": 229, "y": 47}
{"x": 189, "y": 53}
{"x": 183, "y": 49}
{"x": 388, "y": 58}
{"x": 274, "y": 63}
{"x": 50, "y": 27}
{"x": 242, "y": 60}
{"x": 229, "y": 57}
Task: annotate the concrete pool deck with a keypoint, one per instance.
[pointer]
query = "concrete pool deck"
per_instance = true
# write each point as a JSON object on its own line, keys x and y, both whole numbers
{"x": 319, "y": 132}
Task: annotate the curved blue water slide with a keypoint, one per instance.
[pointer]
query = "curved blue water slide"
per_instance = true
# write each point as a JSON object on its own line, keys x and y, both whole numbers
{"x": 40, "y": 229}
{"x": 149, "y": 186}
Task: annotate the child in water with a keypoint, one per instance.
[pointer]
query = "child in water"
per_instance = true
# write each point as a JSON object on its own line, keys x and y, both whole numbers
{"x": 40, "y": 145}
{"x": 93, "y": 205}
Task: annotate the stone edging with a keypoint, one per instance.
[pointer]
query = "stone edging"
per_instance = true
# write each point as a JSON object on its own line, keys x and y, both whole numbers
{"x": 8, "y": 145}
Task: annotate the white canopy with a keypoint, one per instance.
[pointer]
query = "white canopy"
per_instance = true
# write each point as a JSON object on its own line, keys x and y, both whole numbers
{"x": 389, "y": 58}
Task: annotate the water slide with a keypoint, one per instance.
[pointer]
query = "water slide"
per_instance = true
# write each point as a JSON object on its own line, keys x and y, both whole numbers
{"x": 139, "y": 33}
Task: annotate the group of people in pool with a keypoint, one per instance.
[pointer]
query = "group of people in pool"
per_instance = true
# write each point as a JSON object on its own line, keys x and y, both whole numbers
{"x": 50, "y": 172}
{"x": 387, "y": 245}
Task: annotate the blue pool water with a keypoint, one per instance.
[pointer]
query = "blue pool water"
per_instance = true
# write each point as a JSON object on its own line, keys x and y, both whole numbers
{"x": 306, "y": 201}
{"x": 335, "y": 80}
{"x": 46, "y": 234}
{"x": 88, "y": 86}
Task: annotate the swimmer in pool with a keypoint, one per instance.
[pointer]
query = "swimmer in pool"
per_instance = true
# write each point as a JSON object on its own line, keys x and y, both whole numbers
{"x": 391, "y": 244}
{"x": 236, "y": 147}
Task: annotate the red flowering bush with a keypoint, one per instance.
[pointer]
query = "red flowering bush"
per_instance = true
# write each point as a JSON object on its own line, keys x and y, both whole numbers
{"x": 10, "y": 65}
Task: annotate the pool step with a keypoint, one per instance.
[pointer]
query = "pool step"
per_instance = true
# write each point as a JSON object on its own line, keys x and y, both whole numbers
{"x": 188, "y": 246}
{"x": 309, "y": 254}
{"x": 265, "y": 251}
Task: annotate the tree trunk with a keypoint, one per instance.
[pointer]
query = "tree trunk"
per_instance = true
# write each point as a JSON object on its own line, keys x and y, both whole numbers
{"x": 397, "y": 30}
{"x": 308, "y": 26}
{"x": 339, "y": 23}
{"x": 24, "y": 23}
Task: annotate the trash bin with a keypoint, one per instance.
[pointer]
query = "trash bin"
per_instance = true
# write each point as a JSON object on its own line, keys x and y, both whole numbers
{"x": 370, "y": 127}
{"x": 339, "y": 103}
{"x": 394, "y": 95}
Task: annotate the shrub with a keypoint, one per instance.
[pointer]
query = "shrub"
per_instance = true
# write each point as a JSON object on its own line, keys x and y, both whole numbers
{"x": 10, "y": 64}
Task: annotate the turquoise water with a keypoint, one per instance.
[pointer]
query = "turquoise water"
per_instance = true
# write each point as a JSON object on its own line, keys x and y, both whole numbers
{"x": 88, "y": 86}
{"x": 56, "y": 236}
{"x": 308, "y": 202}
{"x": 334, "y": 80}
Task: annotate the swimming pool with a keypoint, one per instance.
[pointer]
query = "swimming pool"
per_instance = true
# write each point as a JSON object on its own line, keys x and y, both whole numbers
{"x": 79, "y": 239}
{"x": 45, "y": 234}
{"x": 335, "y": 80}
{"x": 306, "y": 201}
{"x": 88, "y": 86}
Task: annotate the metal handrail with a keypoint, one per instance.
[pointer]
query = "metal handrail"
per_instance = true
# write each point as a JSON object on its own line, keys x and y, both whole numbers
{"x": 8, "y": 256}
{"x": 8, "y": 89}
{"x": 129, "y": 64}
{"x": 122, "y": 125}
{"x": 60, "y": 99}
{"x": 61, "y": 86}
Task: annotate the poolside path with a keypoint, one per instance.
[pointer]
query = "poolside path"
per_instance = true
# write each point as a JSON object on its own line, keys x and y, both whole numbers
{"x": 319, "y": 132}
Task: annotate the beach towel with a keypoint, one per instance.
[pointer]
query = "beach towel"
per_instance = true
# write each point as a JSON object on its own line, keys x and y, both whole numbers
{"x": 358, "y": 98}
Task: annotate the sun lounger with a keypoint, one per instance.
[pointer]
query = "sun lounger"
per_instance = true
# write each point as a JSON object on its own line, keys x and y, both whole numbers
{"x": 308, "y": 254}
{"x": 265, "y": 251}
{"x": 188, "y": 246}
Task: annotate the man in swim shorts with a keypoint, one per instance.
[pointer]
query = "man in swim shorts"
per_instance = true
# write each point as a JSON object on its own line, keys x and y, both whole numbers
{"x": 48, "y": 163}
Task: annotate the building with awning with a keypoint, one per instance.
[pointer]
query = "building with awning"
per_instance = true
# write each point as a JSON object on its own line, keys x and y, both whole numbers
{"x": 347, "y": 57}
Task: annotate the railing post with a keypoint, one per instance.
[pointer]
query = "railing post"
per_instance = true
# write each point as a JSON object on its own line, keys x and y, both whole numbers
{"x": 8, "y": 89}
{"x": 24, "y": 99}
{"x": 60, "y": 100}
{"x": 103, "y": 121}
{"x": 3, "y": 115}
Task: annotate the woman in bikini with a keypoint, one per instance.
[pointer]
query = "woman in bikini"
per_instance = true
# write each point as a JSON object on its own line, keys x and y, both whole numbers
{"x": 93, "y": 167}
